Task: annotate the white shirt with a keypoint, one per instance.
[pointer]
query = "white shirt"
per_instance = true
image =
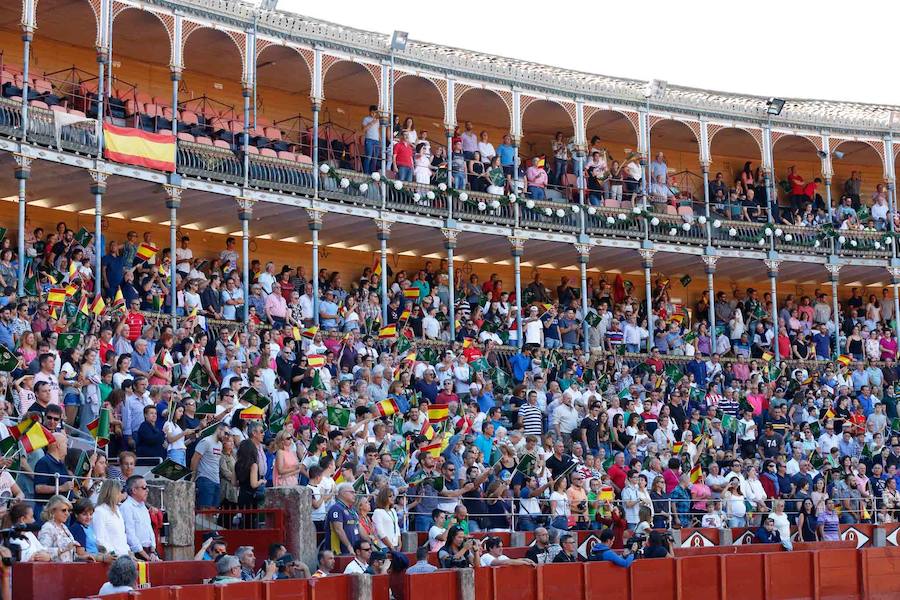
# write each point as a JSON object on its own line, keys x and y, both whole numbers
{"x": 566, "y": 417}
{"x": 306, "y": 305}
{"x": 109, "y": 527}
{"x": 533, "y": 331}
{"x": 489, "y": 559}
{"x": 183, "y": 258}
{"x": 386, "y": 525}
{"x": 172, "y": 428}
{"x": 266, "y": 280}
{"x": 138, "y": 529}
{"x": 29, "y": 546}
{"x": 431, "y": 327}
{"x": 355, "y": 567}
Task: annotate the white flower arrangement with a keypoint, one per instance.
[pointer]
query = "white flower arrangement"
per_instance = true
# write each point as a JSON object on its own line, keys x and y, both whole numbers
{"x": 398, "y": 185}
{"x": 345, "y": 183}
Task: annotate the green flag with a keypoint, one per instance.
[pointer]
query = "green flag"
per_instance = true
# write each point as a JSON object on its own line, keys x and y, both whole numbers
{"x": 8, "y": 360}
{"x": 729, "y": 422}
{"x": 2, "y": 233}
{"x": 7, "y": 444}
{"x": 67, "y": 341}
{"x": 593, "y": 319}
{"x": 206, "y": 405}
{"x": 32, "y": 286}
{"x": 198, "y": 377}
{"x": 479, "y": 365}
{"x": 83, "y": 237}
{"x": 360, "y": 487}
{"x": 403, "y": 344}
{"x": 338, "y": 416}
{"x": 608, "y": 462}
{"x": 815, "y": 460}
{"x": 690, "y": 336}
{"x": 526, "y": 465}
{"x": 414, "y": 398}
{"x": 895, "y": 424}
{"x": 674, "y": 373}
{"x": 428, "y": 355}
{"x": 317, "y": 381}
{"x": 207, "y": 431}
{"x": 816, "y": 429}
{"x": 169, "y": 469}
{"x": 255, "y": 398}
{"x": 500, "y": 378}
{"x": 80, "y": 324}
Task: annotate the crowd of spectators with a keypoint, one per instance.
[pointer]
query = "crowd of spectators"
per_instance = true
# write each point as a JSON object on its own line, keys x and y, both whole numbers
{"x": 419, "y": 425}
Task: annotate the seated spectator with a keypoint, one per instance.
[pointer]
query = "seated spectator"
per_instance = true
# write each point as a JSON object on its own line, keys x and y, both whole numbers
{"x": 421, "y": 565}
{"x": 602, "y": 551}
{"x": 228, "y": 570}
{"x": 82, "y": 527}
{"x": 121, "y": 577}
{"x": 326, "y": 563}
{"x": 30, "y": 547}
{"x": 767, "y": 534}
{"x": 108, "y": 523}
{"x": 492, "y": 554}
{"x": 362, "y": 555}
{"x": 55, "y": 536}
{"x": 459, "y": 552}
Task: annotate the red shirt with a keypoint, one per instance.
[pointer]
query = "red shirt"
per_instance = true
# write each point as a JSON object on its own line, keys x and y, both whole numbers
{"x": 135, "y": 322}
{"x": 618, "y": 475}
{"x": 796, "y": 182}
{"x": 286, "y": 288}
{"x": 656, "y": 363}
{"x": 784, "y": 346}
{"x": 403, "y": 155}
{"x": 444, "y": 398}
{"x": 106, "y": 350}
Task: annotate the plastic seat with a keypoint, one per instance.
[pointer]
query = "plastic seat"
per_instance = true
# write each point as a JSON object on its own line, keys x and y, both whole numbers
{"x": 43, "y": 86}
{"x": 304, "y": 159}
{"x": 254, "y": 150}
{"x": 610, "y": 203}
{"x": 7, "y": 77}
{"x": 165, "y": 131}
{"x": 220, "y": 144}
{"x": 38, "y": 104}
{"x": 202, "y": 139}
{"x": 235, "y": 127}
{"x": 671, "y": 210}
{"x": 267, "y": 152}
{"x": 285, "y": 155}
{"x": 143, "y": 98}
{"x": 58, "y": 108}
{"x": 188, "y": 117}
{"x": 186, "y": 137}
{"x": 686, "y": 211}
{"x": 273, "y": 133}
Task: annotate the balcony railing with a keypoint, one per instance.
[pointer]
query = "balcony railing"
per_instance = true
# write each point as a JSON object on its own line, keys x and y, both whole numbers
{"x": 221, "y": 164}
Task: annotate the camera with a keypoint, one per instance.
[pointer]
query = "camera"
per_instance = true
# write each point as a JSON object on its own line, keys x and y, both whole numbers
{"x": 15, "y": 532}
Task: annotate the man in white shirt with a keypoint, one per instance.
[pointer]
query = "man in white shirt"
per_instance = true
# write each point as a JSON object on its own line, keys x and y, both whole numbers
{"x": 362, "y": 551}
{"x": 267, "y": 278}
{"x": 138, "y": 530}
{"x": 184, "y": 257}
{"x": 493, "y": 554}
{"x": 306, "y": 304}
{"x": 431, "y": 327}
{"x": 565, "y": 419}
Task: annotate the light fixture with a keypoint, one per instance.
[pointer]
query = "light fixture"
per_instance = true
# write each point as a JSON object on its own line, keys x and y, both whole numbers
{"x": 836, "y": 154}
{"x": 398, "y": 40}
{"x": 655, "y": 87}
{"x": 774, "y": 106}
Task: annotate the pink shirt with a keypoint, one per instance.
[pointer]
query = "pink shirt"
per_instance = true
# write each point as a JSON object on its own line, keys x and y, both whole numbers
{"x": 276, "y": 305}
{"x": 888, "y": 348}
{"x": 536, "y": 177}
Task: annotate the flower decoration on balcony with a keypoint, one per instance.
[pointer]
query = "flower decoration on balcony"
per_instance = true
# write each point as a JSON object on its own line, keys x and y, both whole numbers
{"x": 347, "y": 184}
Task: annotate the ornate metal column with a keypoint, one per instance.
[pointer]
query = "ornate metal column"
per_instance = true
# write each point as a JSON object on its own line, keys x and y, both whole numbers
{"x": 173, "y": 203}
{"x": 384, "y": 234}
{"x": 450, "y": 235}
{"x": 517, "y": 247}
{"x": 98, "y": 188}
{"x": 895, "y": 281}
{"x": 245, "y": 213}
{"x": 584, "y": 254}
{"x": 316, "y": 215}
{"x": 647, "y": 261}
{"x": 834, "y": 268}
{"x": 28, "y": 26}
{"x": 772, "y": 265}
{"x": 710, "y": 261}
{"x": 23, "y": 172}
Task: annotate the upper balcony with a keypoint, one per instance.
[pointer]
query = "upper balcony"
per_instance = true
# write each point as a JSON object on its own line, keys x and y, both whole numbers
{"x": 208, "y": 110}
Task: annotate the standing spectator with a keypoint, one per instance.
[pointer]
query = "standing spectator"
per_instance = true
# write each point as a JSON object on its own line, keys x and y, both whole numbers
{"x": 136, "y": 515}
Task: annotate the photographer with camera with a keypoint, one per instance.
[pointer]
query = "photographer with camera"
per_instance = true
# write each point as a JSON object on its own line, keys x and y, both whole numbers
{"x": 659, "y": 545}
{"x": 603, "y": 552}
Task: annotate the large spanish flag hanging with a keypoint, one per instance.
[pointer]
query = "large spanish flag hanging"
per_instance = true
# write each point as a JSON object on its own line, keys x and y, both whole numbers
{"x": 139, "y": 148}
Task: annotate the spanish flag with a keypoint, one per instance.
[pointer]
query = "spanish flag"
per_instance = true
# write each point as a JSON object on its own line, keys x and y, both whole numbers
{"x": 315, "y": 360}
{"x": 387, "y": 332}
{"x": 252, "y": 413}
{"x": 433, "y": 449}
{"x": 139, "y": 148}
{"x": 310, "y": 332}
{"x": 33, "y": 436}
{"x": 427, "y": 431}
{"x": 119, "y": 301}
{"x": 437, "y": 413}
{"x": 143, "y": 569}
{"x": 70, "y": 290}
{"x": 678, "y": 318}
{"x": 411, "y": 293}
{"x": 83, "y": 305}
{"x": 387, "y": 408}
{"x": 767, "y": 356}
{"x": 146, "y": 251}
{"x": 56, "y": 296}
{"x": 696, "y": 473}
{"x": 467, "y": 342}
{"x": 404, "y": 315}
{"x": 676, "y": 447}
{"x": 844, "y": 359}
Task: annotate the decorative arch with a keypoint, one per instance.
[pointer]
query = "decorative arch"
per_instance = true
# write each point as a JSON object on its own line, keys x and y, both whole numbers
{"x": 878, "y": 146}
{"x": 712, "y": 129}
{"x": 329, "y": 60}
{"x": 694, "y": 126}
{"x": 439, "y": 84}
{"x": 460, "y": 90}
{"x": 306, "y": 54}
{"x": 815, "y": 140}
{"x": 526, "y": 101}
{"x": 95, "y": 8}
{"x": 590, "y": 111}
{"x": 167, "y": 20}
{"x": 239, "y": 39}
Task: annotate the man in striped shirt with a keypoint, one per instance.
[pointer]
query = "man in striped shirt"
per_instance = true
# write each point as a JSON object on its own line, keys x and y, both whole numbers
{"x": 530, "y": 416}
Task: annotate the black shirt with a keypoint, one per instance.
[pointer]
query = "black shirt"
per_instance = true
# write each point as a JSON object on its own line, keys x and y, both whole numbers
{"x": 558, "y": 466}
{"x": 591, "y": 429}
{"x": 562, "y": 557}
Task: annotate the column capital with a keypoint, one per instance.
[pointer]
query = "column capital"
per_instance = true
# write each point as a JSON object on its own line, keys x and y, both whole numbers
{"x": 384, "y": 228}
{"x": 245, "y": 207}
{"x": 450, "y": 236}
{"x": 315, "y": 218}
{"x": 704, "y": 165}
{"x": 834, "y": 269}
{"x": 99, "y": 181}
{"x": 517, "y": 244}
{"x": 584, "y": 251}
{"x": 895, "y": 274}
{"x": 647, "y": 255}
{"x": 173, "y": 195}
{"x": 710, "y": 261}
{"x": 316, "y": 103}
{"x": 23, "y": 166}
{"x": 772, "y": 265}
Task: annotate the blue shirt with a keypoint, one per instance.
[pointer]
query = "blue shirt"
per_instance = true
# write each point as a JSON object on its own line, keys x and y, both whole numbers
{"x": 507, "y": 155}
{"x": 551, "y": 327}
{"x": 519, "y": 363}
{"x": 142, "y": 362}
{"x": 429, "y": 391}
{"x": 868, "y": 405}
{"x": 44, "y": 472}
{"x": 859, "y": 379}
{"x": 327, "y": 308}
{"x": 346, "y": 518}
{"x": 823, "y": 344}
{"x": 605, "y": 553}
{"x": 6, "y": 335}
